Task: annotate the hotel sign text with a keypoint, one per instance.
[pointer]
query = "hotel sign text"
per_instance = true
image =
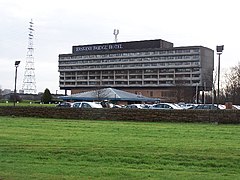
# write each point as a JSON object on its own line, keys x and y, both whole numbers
{"x": 104, "y": 47}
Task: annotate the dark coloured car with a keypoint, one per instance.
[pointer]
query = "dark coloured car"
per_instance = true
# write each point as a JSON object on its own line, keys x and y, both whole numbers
{"x": 64, "y": 104}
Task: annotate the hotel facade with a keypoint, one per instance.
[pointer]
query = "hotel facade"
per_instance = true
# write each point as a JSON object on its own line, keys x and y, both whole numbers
{"x": 152, "y": 68}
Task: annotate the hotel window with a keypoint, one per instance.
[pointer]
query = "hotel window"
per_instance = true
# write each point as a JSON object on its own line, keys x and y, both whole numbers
{"x": 196, "y": 57}
{"x": 196, "y": 50}
{"x": 166, "y": 70}
{"x": 121, "y": 77}
{"x": 107, "y": 83}
{"x": 94, "y": 77}
{"x": 186, "y": 51}
{"x": 196, "y": 82}
{"x": 169, "y": 82}
{"x": 121, "y": 72}
{"x": 121, "y": 82}
{"x": 162, "y": 52}
{"x": 195, "y": 69}
{"x": 133, "y": 82}
{"x": 183, "y": 70}
{"x": 82, "y": 73}
{"x": 93, "y": 83}
{"x": 151, "y": 93}
{"x": 196, "y": 63}
{"x": 178, "y": 51}
{"x": 82, "y": 77}
{"x": 196, "y": 75}
{"x": 70, "y": 83}
{"x": 150, "y": 71}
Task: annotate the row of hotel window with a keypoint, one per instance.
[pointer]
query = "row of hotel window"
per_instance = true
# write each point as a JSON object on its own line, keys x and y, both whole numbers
{"x": 131, "y": 65}
{"x": 145, "y": 59}
{"x": 130, "y": 83}
{"x": 137, "y": 71}
{"x": 126, "y": 77}
{"x": 176, "y": 51}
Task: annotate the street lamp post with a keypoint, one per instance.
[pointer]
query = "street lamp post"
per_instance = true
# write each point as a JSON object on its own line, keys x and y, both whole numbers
{"x": 15, "y": 86}
{"x": 219, "y": 52}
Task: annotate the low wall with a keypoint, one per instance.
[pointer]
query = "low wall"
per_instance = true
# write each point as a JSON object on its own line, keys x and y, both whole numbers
{"x": 144, "y": 115}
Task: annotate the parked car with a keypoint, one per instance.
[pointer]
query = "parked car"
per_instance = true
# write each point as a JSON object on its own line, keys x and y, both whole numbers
{"x": 64, "y": 104}
{"x": 117, "y": 106}
{"x": 236, "y": 107}
{"x": 134, "y": 106}
{"x": 147, "y": 106}
{"x": 209, "y": 106}
{"x": 187, "y": 105}
{"x": 165, "y": 106}
{"x": 86, "y": 105}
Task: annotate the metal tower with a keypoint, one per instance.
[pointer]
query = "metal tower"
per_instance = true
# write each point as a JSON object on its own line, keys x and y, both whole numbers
{"x": 29, "y": 82}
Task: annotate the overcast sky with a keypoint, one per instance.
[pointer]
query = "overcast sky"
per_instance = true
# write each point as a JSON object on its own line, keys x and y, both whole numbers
{"x": 61, "y": 24}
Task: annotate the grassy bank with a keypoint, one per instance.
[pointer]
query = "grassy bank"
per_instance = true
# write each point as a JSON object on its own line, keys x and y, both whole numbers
{"x": 57, "y": 149}
{"x": 27, "y": 103}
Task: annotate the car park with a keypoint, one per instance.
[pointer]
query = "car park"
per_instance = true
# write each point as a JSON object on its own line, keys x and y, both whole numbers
{"x": 86, "y": 105}
{"x": 165, "y": 106}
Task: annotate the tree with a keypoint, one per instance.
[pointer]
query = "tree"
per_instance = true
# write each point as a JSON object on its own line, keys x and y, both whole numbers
{"x": 0, "y": 92}
{"x": 46, "y": 97}
{"x": 12, "y": 98}
{"x": 232, "y": 88}
{"x": 183, "y": 92}
{"x": 100, "y": 94}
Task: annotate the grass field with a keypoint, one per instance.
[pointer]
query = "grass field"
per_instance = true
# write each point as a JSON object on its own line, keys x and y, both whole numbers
{"x": 32, "y": 148}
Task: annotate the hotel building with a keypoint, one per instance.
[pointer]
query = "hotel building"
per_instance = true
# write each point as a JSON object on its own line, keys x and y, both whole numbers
{"x": 153, "y": 68}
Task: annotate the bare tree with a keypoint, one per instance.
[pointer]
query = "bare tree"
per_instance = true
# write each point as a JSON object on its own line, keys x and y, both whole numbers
{"x": 183, "y": 92}
{"x": 0, "y": 92}
{"x": 100, "y": 94}
{"x": 232, "y": 88}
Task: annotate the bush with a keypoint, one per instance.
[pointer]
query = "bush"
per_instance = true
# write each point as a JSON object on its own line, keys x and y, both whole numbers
{"x": 46, "y": 97}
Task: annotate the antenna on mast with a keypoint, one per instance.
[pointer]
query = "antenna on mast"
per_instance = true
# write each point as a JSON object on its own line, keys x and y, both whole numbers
{"x": 115, "y": 33}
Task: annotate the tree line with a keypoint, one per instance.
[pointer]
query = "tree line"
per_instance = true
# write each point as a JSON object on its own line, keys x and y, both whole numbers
{"x": 231, "y": 91}
{"x": 45, "y": 97}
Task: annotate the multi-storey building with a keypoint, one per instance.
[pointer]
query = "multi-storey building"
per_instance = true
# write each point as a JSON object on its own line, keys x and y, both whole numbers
{"x": 153, "y": 68}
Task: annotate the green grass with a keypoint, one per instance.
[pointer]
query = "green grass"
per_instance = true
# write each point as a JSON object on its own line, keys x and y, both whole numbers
{"x": 32, "y": 148}
{"x": 26, "y": 104}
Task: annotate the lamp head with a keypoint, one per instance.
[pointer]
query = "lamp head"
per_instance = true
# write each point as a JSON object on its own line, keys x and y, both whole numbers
{"x": 17, "y": 63}
{"x": 220, "y": 49}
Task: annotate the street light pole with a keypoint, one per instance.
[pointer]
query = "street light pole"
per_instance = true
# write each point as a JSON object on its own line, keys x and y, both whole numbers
{"x": 219, "y": 52}
{"x": 15, "y": 86}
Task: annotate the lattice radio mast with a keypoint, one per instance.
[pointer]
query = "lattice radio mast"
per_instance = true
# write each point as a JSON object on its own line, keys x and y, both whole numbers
{"x": 29, "y": 82}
